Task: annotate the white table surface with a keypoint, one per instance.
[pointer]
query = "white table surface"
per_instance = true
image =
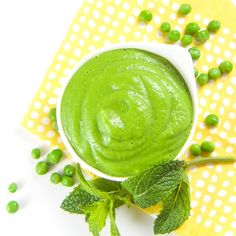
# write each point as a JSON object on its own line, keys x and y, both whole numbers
{"x": 30, "y": 33}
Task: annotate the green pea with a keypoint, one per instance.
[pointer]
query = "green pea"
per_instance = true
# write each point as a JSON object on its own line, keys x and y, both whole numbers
{"x": 55, "y": 156}
{"x": 12, "y": 187}
{"x": 202, "y": 36}
{"x": 195, "y": 53}
{"x": 55, "y": 178}
{"x": 165, "y": 27}
{"x": 213, "y": 26}
{"x": 36, "y": 153}
{"x": 195, "y": 72}
{"x": 69, "y": 170}
{"x": 184, "y": 9}
{"x": 211, "y": 120}
{"x": 202, "y": 79}
{"x": 145, "y": 16}
{"x": 174, "y": 36}
{"x": 208, "y": 146}
{"x": 192, "y": 28}
{"x": 186, "y": 40}
{"x": 12, "y": 207}
{"x": 226, "y": 67}
{"x": 214, "y": 73}
{"x": 67, "y": 181}
{"x": 42, "y": 167}
{"x": 52, "y": 115}
{"x": 195, "y": 149}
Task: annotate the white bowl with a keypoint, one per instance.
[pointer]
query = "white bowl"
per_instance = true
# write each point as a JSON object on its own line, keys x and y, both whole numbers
{"x": 177, "y": 55}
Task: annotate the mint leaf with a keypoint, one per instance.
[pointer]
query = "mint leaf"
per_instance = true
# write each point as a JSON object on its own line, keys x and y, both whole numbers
{"x": 113, "y": 227}
{"x": 154, "y": 184}
{"x": 106, "y": 185}
{"x": 176, "y": 208}
{"x": 96, "y": 215}
{"x": 77, "y": 199}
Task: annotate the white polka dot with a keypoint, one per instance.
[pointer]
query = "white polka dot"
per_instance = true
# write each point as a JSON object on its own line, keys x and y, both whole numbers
{"x": 232, "y": 45}
{"x": 213, "y": 106}
{"x": 81, "y": 42}
{"x": 207, "y": 45}
{"x": 218, "y": 203}
{"x": 216, "y": 49}
{"x": 197, "y": 17}
{"x": 203, "y": 101}
{"x": 166, "y": 2}
{"x": 234, "y": 58}
{"x": 198, "y": 194}
{"x": 34, "y": 114}
{"x": 149, "y": 28}
{"x": 126, "y": 6}
{"x": 140, "y": 2}
{"x": 214, "y": 178}
{"x": 57, "y": 67}
{"x": 52, "y": 75}
{"x": 86, "y": 34}
{"x": 131, "y": 20}
{"x": 75, "y": 28}
{"x": 232, "y": 199}
{"x": 212, "y": 213}
{"x": 181, "y": 20}
{"x": 91, "y": 23}
{"x": 221, "y": 40}
{"x": 227, "y": 54}
{"x": 203, "y": 209}
{"x": 229, "y": 233}
{"x": 102, "y": 29}
{"x": 37, "y": 105}
{"x": 233, "y": 224}
{"x": 106, "y": 19}
{"x": 232, "y": 140}
{"x": 215, "y": 96}
{"x": 230, "y": 90}
{"x": 67, "y": 46}
{"x": 222, "y": 193}
{"x": 121, "y": 15}
{"x": 99, "y": 4}
{"x": 207, "y": 223}
{"x": 227, "y": 209}
{"x": 52, "y": 101}
{"x": 229, "y": 149}
{"x": 156, "y": 19}
{"x": 227, "y": 125}
{"x": 194, "y": 203}
{"x": 122, "y": 38}
{"x": 222, "y": 134}
{"x": 107, "y": 42}
{"x": 45, "y": 121}
{"x": 198, "y": 136}
{"x": 221, "y": 110}
{"x": 86, "y": 9}
{"x": 61, "y": 57}
{"x": 40, "y": 129}
{"x": 226, "y": 30}
{"x": 50, "y": 134}
{"x": 77, "y": 52}
{"x": 96, "y": 38}
{"x": 115, "y": 23}
{"x": 175, "y": 6}
{"x": 230, "y": 173}
{"x": 92, "y": 48}
{"x": 209, "y": 58}
{"x": 46, "y": 109}
{"x": 207, "y": 198}
{"x": 205, "y": 68}
{"x": 218, "y": 228}
{"x": 219, "y": 86}
{"x": 200, "y": 183}
{"x": 222, "y": 219}
{"x": 162, "y": 10}
{"x": 72, "y": 62}
{"x": 117, "y": 2}
{"x": 199, "y": 219}
{"x": 211, "y": 188}
{"x": 226, "y": 183}
{"x": 205, "y": 21}
{"x": 172, "y": 16}
{"x": 205, "y": 174}
{"x": 30, "y": 124}
{"x": 67, "y": 72}
{"x": 151, "y": 5}
{"x": 96, "y": 14}
{"x": 72, "y": 37}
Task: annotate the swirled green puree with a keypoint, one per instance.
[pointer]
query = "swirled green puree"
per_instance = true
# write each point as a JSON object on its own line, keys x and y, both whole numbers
{"x": 125, "y": 110}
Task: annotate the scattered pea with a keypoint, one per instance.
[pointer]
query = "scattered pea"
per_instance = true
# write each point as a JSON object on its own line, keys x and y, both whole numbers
{"x": 211, "y": 120}
{"x": 52, "y": 115}
{"x": 208, "y": 146}
{"x": 165, "y": 27}
{"x": 184, "y": 9}
{"x": 174, "y": 35}
{"x": 192, "y": 28}
{"x": 36, "y": 153}
{"x": 55, "y": 178}
{"x": 226, "y": 67}
{"x": 12, "y": 187}
{"x": 213, "y": 26}
{"x": 202, "y": 79}
{"x": 195, "y": 53}
{"x": 69, "y": 170}
{"x": 67, "y": 181}
{"x": 145, "y": 16}
{"x": 186, "y": 40}
{"x": 42, "y": 167}
{"x": 214, "y": 73}
{"x": 195, "y": 72}
{"x": 12, "y": 207}
{"x": 202, "y": 36}
{"x": 55, "y": 156}
{"x": 195, "y": 149}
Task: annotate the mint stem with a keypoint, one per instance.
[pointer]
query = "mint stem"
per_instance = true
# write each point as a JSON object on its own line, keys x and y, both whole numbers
{"x": 204, "y": 160}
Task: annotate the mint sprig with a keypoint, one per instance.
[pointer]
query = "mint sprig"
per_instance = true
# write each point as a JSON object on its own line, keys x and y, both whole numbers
{"x": 166, "y": 183}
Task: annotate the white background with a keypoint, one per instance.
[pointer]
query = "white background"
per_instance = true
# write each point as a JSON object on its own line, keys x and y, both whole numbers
{"x": 30, "y": 33}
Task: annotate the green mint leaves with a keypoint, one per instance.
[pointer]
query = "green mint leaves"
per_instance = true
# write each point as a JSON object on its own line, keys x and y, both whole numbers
{"x": 166, "y": 183}
{"x": 176, "y": 208}
{"x": 97, "y": 200}
{"x": 154, "y": 184}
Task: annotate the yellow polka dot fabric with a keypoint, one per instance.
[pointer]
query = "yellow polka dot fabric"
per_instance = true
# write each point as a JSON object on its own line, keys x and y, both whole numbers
{"x": 103, "y": 22}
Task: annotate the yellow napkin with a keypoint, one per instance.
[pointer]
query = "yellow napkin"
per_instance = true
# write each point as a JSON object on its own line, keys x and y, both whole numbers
{"x": 101, "y": 22}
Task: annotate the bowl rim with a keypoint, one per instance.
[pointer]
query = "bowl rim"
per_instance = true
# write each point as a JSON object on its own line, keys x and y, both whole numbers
{"x": 177, "y": 55}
